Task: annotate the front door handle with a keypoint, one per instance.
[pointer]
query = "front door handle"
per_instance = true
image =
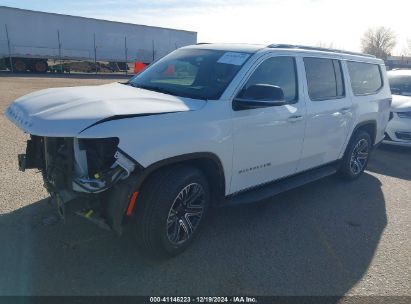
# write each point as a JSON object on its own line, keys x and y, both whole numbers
{"x": 294, "y": 118}
{"x": 345, "y": 110}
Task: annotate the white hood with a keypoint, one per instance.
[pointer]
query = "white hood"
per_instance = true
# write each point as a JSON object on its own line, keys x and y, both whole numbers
{"x": 401, "y": 103}
{"x": 68, "y": 111}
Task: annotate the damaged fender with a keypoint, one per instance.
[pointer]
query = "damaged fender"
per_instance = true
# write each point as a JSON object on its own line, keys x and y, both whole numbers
{"x": 117, "y": 200}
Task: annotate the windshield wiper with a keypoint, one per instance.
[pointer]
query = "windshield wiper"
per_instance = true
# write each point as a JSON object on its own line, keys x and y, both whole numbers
{"x": 130, "y": 84}
{"x": 165, "y": 91}
{"x": 151, "y": 88}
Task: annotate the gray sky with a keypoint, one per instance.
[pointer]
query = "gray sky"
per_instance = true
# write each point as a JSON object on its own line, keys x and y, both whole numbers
{"x": 312, "y": 22}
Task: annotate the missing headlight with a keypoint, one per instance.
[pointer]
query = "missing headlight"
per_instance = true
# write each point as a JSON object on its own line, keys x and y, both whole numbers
{"x": 98, "y": 164}
{"x": 99, "y": 153}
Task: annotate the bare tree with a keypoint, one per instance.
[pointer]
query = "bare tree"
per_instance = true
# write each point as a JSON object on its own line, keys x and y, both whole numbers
{"x": 378, "y": 41}
{"x": 327, "y": 45}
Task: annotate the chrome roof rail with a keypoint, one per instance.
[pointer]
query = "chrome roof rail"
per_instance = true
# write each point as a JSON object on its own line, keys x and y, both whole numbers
{"x": 315, "y": 48}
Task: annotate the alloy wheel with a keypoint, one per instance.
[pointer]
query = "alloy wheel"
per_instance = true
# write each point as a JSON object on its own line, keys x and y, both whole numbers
{"x": 359, "y": 156}
{"x": 185, "y": 213}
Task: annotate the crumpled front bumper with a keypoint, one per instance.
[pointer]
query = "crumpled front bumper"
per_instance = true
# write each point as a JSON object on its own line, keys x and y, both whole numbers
{"x": 101, "y": 198}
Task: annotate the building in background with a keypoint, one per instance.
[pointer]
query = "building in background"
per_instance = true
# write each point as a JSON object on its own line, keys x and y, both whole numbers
{"x": 398, "y": 62}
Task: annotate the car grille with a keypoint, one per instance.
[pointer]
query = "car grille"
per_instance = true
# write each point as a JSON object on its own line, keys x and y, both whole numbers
{"x": 403, "y": 135}
{"x": 58, "y": 162}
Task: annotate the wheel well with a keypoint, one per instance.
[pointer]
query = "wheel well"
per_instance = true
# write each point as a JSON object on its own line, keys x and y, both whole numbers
{"x": 214, "y": 175}
{"x": 210, "y": 166}
{"x": 370, "y": 127}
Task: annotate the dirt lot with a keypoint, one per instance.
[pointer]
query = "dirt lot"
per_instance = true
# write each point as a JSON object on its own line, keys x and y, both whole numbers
{"x": 326, "y": 238}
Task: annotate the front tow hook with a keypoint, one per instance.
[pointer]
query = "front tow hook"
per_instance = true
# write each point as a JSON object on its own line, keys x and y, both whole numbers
{"x": 22, "y": 158}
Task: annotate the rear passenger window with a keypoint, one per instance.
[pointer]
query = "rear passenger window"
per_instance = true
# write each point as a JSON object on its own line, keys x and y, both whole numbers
{"x": 365, "y": 77}
{"x": 278, "y": 71}
{"x": 324, "y": 78}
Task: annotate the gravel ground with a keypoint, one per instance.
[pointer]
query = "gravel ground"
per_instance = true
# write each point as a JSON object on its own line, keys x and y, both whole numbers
{"x": 326, "y": 238}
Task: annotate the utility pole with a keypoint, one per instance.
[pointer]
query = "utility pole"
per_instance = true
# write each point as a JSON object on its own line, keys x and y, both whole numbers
{"x": 61, "y": 62}
{"x": 125, "y": 53}
{"x": 153, "y": 50}
{"x": 8, "y": 44}
{"x": 95, "y": 53}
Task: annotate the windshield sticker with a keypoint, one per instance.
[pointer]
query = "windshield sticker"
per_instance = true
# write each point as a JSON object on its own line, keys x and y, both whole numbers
{"x": 233, "y": 58}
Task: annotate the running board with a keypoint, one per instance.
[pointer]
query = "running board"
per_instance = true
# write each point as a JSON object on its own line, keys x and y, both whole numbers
{"x": 274, "y": 188}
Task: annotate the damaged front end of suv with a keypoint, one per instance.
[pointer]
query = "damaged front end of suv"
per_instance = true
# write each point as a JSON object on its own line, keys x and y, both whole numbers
{"x": 80, "y": 169}
{"x": 91, "y": 145}
{"x": 81, "y": 141}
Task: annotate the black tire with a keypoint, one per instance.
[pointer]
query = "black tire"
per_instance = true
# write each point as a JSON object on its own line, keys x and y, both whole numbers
{"x": 356, "y": 156}
{"x": 40, "y": 66}
{"x": 156, "y": 224}
{"x": 19, "y": 66}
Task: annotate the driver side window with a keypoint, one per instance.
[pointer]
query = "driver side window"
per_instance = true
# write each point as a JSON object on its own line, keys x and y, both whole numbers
{"x": 277, "y": 71}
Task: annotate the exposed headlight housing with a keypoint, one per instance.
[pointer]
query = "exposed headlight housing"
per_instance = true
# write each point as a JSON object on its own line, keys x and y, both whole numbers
{"x": 99, "y": 164}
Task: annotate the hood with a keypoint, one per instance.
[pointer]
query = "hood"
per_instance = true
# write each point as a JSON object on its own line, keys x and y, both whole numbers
{"x": 401, "y": 103}
{"x": 68, "y": 111}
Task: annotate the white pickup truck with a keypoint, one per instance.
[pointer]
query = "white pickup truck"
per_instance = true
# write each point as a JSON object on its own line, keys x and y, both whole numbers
{"x": 209, "y": 124}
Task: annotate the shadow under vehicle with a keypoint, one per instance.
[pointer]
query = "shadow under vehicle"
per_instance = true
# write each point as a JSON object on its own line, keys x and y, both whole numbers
{"x": 315, "y": 240}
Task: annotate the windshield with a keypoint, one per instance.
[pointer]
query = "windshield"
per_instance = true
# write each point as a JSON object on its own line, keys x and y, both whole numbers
{"x": 193, "y": 73}
{"x": 400, "y": 84}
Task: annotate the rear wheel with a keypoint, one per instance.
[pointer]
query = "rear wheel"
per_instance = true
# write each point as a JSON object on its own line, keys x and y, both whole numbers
{"x": 356, "y": 156}
{"x": 40, "y": 66}
{"x": 171, "y": 209}
{"x": 19, "y": 66}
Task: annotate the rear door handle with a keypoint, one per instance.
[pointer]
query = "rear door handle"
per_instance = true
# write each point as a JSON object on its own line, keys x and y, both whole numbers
{"x": 294, "y": 118}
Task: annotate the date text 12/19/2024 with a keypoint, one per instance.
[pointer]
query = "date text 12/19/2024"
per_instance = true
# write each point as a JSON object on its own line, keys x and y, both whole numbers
{"x": 239, "y": 299}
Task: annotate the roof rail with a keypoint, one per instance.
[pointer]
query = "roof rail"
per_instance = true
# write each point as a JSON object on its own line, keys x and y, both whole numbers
{"x": 315, "y": 48}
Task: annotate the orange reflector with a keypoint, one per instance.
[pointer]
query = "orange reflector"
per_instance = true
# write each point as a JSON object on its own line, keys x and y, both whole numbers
{"x": 139, "y": 66}
{"x": 132, "y": 203}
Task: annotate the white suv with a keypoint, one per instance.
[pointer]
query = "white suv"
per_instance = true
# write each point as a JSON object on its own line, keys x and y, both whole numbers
{"x": 398, "y": 131}
{"x": 207, "y": 124}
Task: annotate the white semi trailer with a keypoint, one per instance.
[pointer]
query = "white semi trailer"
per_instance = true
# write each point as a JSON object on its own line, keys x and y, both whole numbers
{"x": 29, "y": 38}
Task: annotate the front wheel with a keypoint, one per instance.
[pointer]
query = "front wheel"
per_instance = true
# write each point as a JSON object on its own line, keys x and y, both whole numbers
{"x": 356, "y": 156}
{"x": 171, "y": 209}
{"x": 20, "y": 66}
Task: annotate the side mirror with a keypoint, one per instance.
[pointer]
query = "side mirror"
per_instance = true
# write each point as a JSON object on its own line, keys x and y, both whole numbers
{"x": 259, "y": 96}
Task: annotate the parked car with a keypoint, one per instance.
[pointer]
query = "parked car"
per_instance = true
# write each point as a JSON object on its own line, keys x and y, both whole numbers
{"x": 60, "y": 68}
{"x": 209, "y": 124}
{"x": 398, "y": 131}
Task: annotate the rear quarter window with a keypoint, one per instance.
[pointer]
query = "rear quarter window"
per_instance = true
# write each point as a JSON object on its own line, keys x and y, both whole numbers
{"x": 365, "y": 78}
